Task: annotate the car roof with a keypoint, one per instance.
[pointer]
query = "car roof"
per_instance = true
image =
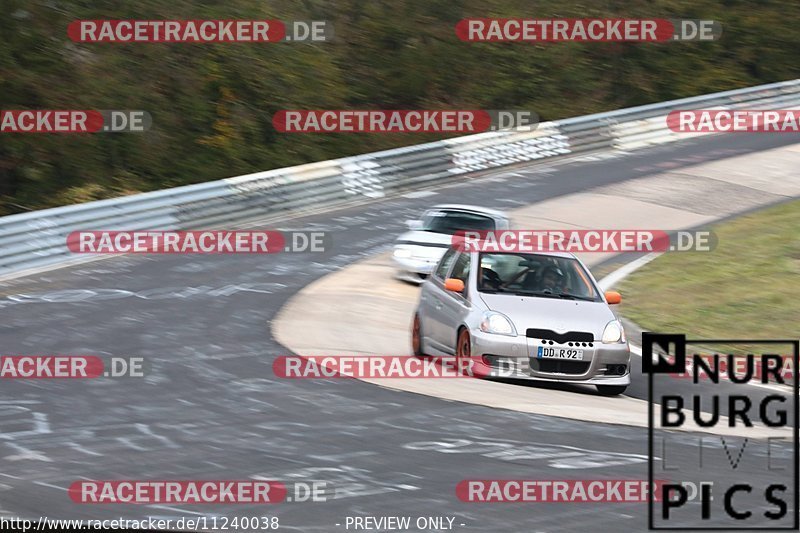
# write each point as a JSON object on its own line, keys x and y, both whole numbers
{"x": 471, "y": 209}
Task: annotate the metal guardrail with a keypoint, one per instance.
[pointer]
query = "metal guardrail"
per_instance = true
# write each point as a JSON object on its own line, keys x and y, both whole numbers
{"x": 38, "y": 239}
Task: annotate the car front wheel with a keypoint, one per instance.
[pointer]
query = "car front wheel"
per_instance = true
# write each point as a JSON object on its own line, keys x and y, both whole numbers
{"x": 611, "y": 390}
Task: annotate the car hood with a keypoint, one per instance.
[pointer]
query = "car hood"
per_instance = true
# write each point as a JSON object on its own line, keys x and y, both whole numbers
{"x": 550, "y": 313}
{"x": 425, "y": 238}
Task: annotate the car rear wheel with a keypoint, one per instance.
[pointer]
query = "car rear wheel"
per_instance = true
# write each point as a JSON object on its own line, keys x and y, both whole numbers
{"x": 416, "y": 336}
{"x": 611, "y": 390}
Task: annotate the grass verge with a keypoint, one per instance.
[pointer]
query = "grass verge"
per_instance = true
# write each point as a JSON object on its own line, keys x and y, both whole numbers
{"x": 748, "y": 287}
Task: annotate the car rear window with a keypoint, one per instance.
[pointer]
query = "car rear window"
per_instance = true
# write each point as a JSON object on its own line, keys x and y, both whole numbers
{"x": 450, "y": 222}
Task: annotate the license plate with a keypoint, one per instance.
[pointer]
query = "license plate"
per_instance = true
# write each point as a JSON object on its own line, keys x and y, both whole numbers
{"x": 559, "y": 353}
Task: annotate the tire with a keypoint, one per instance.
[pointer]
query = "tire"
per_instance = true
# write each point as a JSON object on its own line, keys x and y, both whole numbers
{"x": 463, "y": 348}
{"x": 463, "y": 344}
{"x": 611, "y": 390}
{"x": 416, "y": 337}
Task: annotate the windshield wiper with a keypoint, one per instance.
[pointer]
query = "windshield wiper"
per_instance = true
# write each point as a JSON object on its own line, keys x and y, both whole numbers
{"x": 563, "y": 296}
{"x": 536, "y": 293}
{"x": 575, "y": 297}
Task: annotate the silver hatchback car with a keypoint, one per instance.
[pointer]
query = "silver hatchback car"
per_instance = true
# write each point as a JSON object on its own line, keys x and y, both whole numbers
{"x": 540, "y": 314}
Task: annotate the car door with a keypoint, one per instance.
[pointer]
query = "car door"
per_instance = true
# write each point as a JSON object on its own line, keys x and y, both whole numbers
{"x": 454, "y": 305}
{"x": 431, "y": 298}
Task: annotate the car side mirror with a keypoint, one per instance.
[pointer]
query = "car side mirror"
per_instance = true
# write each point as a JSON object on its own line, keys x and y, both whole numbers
{"x": 414, "y": 225}
{"x": 454, "y": 285}
{"x": 613, "y": 297}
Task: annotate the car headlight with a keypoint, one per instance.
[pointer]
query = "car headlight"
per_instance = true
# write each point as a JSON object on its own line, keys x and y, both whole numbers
{"x": 497, "y": 323}
{"x": 614, "y": 333}
{"x": 402, "y": 253}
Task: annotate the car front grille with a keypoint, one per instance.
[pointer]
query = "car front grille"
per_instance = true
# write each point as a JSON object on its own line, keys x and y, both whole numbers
{"x": 550, "y": 335}
{"x": 560, "y": 366}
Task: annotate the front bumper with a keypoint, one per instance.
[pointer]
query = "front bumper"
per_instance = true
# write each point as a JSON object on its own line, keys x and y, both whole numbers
{"x": 416, "y": 265}
{"x": 515, "y": 357}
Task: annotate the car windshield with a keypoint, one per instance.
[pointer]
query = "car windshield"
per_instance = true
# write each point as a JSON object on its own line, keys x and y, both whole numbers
{"x": 537, "y": 275}
{"x": 450, "y": 222}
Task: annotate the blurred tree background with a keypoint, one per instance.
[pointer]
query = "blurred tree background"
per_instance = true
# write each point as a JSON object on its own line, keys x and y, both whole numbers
{"x": 212, "y": 103}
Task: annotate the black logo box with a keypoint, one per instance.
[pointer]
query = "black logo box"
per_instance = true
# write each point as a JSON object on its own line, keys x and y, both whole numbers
{"x": 662, "y": 366}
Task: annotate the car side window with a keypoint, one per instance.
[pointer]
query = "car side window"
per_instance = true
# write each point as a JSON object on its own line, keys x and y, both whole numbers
{"x": 444, "y": 263}
{"x": 461, "y": 269}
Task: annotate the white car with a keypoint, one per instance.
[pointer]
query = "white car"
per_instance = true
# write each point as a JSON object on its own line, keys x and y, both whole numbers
{"x": 417, "y": 252}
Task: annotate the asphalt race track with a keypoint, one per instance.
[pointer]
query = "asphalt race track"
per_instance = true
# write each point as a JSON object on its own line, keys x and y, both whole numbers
{"x": 210, "y": 407}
